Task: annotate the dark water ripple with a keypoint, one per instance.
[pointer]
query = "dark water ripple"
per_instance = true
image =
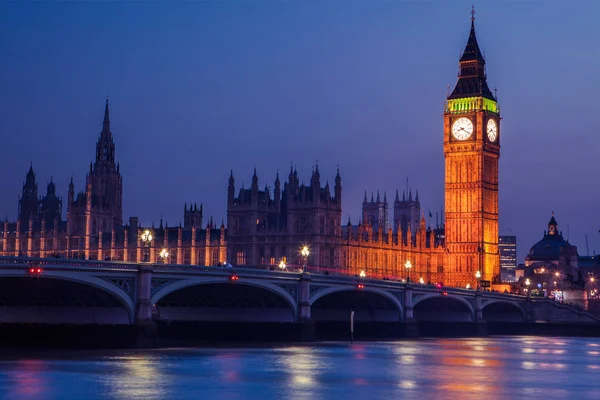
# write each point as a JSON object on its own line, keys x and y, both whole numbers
{"x": 490, "y": 368}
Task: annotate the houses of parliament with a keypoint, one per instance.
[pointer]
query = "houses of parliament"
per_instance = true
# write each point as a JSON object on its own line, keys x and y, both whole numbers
{"x": 265, "y": 228}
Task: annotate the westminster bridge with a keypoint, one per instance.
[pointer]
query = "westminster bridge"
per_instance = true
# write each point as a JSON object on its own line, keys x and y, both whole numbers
{"x": 77, "y": 292}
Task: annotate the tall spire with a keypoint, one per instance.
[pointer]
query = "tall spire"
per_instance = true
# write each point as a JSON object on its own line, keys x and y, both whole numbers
{"x": 472, "y": 51}
{"x": 472, "y": 79}
{"x": 106, "y": 122}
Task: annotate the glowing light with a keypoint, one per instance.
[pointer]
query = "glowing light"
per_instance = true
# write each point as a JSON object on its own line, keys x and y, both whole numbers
{"x": 305, "y": 251}
{"x": 468, "y": 286}
{"x": 362, "y": 274}
{"x": 146, "y": 236}
{"x": 478, "y": 274}
{"x": 164, "y": 255}
{"x": 421, "y": 281}
{"x": 527, "y": 282}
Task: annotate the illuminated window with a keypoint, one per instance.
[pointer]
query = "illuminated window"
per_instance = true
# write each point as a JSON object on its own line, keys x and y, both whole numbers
{"x": 241, "y": 258}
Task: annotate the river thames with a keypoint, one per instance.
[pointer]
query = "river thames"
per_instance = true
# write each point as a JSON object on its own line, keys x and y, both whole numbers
{"x": 491, "y": 368}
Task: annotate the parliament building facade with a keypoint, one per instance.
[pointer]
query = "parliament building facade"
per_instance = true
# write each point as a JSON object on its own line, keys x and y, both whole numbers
{"x": 265, "y": 228}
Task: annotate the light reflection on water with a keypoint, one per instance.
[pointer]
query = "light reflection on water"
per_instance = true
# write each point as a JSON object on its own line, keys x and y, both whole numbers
{"x": 494, "y": 368}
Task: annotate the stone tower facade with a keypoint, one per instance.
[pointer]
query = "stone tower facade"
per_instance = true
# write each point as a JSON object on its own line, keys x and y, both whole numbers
{"x": 264, "y": 228}
{"x": 471, "y": 150}
{"x": 99, "y": 208}
{"x": 28, "y": 202}
{"x": 375, "y": 212}
{"x": 407, "y": 212}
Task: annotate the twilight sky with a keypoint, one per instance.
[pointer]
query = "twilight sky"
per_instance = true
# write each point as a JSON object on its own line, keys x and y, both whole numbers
{"x": 199, "y": 88}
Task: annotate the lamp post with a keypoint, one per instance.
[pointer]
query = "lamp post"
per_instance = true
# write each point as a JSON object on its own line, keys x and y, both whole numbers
{"x": 164, "y": 255}
{"x": 408, "y": 266}
{"x": 362, "y": 274}
{"x": 527, "y": 283}
{"x": 305, "y": 252}
{"x": 147, "y": 239}
{"x": 282, "y": 265}
{"x": 478, "y": 277}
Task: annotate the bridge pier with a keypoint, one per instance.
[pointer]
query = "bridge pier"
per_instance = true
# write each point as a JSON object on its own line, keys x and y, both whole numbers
{"x": 307, "y": 330}
{"x": 410, "y": 325}
{"x": 478, "y": 307}
{"x": 146, "y": 334}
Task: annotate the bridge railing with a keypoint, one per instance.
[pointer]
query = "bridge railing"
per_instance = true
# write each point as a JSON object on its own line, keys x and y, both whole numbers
{"x": 65, "y": 262}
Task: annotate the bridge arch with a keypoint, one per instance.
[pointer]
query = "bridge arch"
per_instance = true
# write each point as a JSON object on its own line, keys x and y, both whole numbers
{"x": 171, "y": 288}
{"x": 83, "y": 279}
{"x": 503, "y": 311}
{"x": 382, "y": 294}
{"x": 433, "y": 300}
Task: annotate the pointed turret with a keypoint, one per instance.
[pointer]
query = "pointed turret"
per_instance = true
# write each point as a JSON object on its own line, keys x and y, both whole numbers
{"x": 410, "y": 195}
{"x": 417, "y": 197}
{"x": 378, "y": 198}
{"x": 403, "y": 195}
{"x": 254, "y": 179}
{"x": 338, "y": 188}
{"x": 365, "y": 199}
{"x": 230, "y": 189}
{"x": 552, "y": 226}
{"x": 51, "y": 189}
{"x": 106, "y": 122}
{"x": 385, "y": 196}
{"x": 397, "y": 197}
{"x": 30, "y": 178}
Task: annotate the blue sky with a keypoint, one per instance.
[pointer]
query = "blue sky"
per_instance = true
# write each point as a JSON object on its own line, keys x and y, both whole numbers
{"x": 199, "y": 88}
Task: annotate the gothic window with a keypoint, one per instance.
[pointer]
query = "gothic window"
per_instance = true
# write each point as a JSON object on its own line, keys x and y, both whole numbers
{"x": 241, "y": 258}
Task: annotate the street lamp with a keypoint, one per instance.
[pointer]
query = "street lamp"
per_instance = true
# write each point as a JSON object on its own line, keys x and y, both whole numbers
{"x": 147, "y": 239}
{"x": 305, "y": 252}
{"x": 164, "y": 255}
{"x": 527, "y": 283}
{"x": 408, "y": 266}
{"x": 362, "y": 274}
{"x": 421, "y": 281}
{"x": 478, "y": 277}
{"x": 282, "y": 265}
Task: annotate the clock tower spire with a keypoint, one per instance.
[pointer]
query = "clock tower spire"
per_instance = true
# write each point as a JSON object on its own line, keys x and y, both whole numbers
{"x": 471, "y": 151}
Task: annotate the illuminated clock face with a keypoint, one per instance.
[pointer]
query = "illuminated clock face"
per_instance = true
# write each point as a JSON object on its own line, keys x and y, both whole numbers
{"x": 462, "y": 128}
{"x": 492, "y": 130}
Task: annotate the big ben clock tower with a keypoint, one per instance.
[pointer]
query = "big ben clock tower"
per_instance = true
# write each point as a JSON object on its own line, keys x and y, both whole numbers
{"x": 471, "y": 151}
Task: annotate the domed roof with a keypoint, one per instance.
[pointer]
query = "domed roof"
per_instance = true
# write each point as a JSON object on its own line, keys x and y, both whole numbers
{"x": 549, "y": 247}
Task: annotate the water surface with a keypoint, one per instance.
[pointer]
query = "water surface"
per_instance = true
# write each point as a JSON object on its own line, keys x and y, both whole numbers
{"x": 490, "y": 368}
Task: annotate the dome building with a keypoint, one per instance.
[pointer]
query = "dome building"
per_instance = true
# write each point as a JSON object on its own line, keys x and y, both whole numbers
{"x": 552, "y": 259}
